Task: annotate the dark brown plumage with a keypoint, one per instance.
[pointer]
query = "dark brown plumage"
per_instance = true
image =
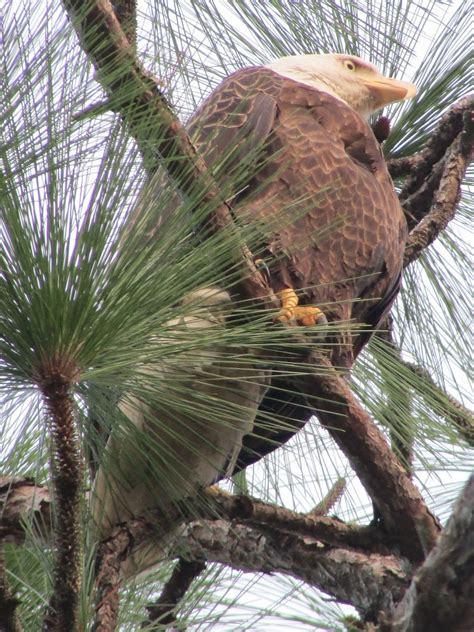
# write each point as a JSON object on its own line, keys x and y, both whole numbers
{"x": 320, "y": 193}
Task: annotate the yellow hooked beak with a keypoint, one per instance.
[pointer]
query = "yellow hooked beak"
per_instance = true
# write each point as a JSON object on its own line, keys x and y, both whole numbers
{"x": 386, "y": 90}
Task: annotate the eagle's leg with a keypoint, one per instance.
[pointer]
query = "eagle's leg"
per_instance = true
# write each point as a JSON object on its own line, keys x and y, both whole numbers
{"x": 304, "y": 314}
{"x": 289, "y": 302}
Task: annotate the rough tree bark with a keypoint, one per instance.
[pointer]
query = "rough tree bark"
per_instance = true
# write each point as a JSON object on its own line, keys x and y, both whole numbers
{"x": 356, "y": 565}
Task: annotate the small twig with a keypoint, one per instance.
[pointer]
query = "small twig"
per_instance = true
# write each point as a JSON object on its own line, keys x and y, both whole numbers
{"x": 332, "y": 497}
{"x": 163, "y": 610}
{"x": 95, "y": 109}
{"x": 455, "y": 413}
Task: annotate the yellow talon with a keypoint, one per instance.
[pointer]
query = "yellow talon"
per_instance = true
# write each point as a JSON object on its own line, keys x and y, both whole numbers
{"x": 305, "y": 314}
{"x": 289, "y": 301}
{"x": 310, "y": 316}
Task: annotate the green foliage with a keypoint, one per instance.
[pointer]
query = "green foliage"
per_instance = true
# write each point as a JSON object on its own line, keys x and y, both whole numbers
{"x": 80, "y": 293}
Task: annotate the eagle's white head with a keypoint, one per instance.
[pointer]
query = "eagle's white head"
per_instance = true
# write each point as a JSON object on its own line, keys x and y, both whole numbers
{"x": 351, "y": 79}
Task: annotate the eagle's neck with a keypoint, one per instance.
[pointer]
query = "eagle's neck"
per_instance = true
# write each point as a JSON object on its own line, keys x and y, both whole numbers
{"x": 312, "y": 79}
{"x": 343, "y": 90}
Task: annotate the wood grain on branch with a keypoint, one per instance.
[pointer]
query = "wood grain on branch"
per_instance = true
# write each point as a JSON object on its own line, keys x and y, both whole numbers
{"x": 441, "y": 595}
{"x": 66, "y": 466}
{"x": 401, "y": 504}
{"x": 330, "y": 530}
{"x": 446, "y": 195}
{"x": 259, "y": 529}
{"x": 367, "y": 581}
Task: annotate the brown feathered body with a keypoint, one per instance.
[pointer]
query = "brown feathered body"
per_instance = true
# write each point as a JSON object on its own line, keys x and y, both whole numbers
{"x": 307, "y": 170}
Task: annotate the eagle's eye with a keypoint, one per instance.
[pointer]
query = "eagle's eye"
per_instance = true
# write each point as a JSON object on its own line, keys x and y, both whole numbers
{"x": 349, "y": 65}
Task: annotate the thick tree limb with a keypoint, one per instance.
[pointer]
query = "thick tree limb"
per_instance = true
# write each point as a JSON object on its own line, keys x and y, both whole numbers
{"x": 23, "y": 501}
{"x": 63, "y": 611}
{"x": 156, "y": 129}
{"x": 418, "y": 166}
{"x": 446, "y": 196}
{"x": 404, "y": 511}
{"x": 332, "y": 531}
{"x": 185, "y": 572}
{"x": 441, "y": 595}
{"x": 327, "y": 541}
{"x": 370, "y": 582}
{"x": 112, "y": 552}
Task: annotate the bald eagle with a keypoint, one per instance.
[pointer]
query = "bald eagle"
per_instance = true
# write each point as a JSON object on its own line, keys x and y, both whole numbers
{"x": 302, "y": 120}
{"x": 290, "y": 145}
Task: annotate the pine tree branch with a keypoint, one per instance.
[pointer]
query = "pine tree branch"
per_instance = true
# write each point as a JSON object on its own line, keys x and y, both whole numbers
{"x": 315, "y": 540}
{"x": 420, "y": 165}
{"x": 402, "y": 435}
{"x": 63, "y": 610}
{"x": 405, "y": 514}
{"x": 111, "y": 554}
{"x": 436, "y": 397}
{"x": 135, "y": 94}
{"x": 418, "y": 204}
{"x": 370, "y": 582}
{"x": 330, "y": 530}
{"x": 446, "y": 196}
{"x": 455, "y": 413}
{"x": 163, "y": 610}
{"x": 23, "y": 502}
{"x": 441, "y": 595}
